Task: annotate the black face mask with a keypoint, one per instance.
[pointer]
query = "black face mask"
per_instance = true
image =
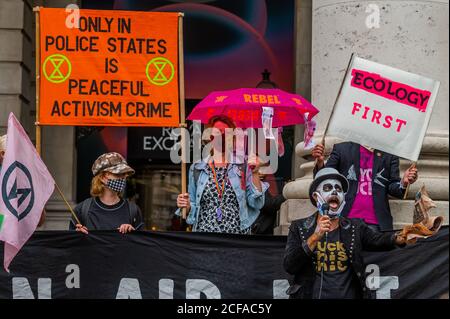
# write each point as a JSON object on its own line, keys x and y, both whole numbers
{"x": 117, "y": 185}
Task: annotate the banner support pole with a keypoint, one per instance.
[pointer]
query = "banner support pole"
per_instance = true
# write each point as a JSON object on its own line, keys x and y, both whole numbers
{"x": 38, "y": 101}
{"x": 38, "y": 89}
{"x": 413, "y": 165}
{"x": 322, "y": 142}
{"x": 38, "y": 81}
{"x": 182, "y": 110}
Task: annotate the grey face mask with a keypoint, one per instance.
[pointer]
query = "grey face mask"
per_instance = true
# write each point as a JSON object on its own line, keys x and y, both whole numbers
{"x": 117, "y": 185}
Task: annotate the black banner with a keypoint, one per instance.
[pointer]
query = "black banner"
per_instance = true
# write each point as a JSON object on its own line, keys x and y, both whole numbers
{"x": 166, "y": 265}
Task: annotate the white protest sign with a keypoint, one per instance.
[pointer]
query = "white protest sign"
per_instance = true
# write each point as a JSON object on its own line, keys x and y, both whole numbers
{"x": 384, "y": 108}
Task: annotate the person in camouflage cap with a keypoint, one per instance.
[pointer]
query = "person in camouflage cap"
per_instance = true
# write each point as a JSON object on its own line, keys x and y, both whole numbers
{"x": 111, "y": 162}
{"x": 106, "y": 209}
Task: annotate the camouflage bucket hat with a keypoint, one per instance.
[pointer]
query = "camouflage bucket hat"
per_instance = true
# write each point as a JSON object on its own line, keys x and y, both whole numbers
{"x": 112, "y": 163}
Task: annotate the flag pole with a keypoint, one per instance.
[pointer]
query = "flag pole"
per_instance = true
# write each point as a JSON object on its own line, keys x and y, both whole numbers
{"x": 182, "y": 109}
{"x": 322, "y": 142}
{"x": 67, "y": 203}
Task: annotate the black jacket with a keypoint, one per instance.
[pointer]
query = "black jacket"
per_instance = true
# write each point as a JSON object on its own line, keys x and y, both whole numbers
{"x": 266, "y": 220}
{"x": 355, "y": 235}
{"x": 345, "y": 158}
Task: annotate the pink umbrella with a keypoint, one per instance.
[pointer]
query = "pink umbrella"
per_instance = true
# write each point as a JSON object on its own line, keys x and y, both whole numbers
{"x": 244, "y": 106}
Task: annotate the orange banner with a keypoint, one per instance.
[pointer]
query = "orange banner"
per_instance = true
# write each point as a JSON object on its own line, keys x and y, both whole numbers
{"x": 108, "y": 68}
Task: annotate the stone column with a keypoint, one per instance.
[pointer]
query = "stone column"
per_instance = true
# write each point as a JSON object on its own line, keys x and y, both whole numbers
{"x": 413, "y": 36}
{"x": 16, "y": 63}
{"x": 303, "y": 34}
{"x": 302, "y": 46}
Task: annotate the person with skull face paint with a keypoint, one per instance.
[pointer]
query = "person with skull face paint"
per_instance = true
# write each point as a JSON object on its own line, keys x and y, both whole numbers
{"x": 373, "y": 176}
{"x": 323, "y": 251}
{"x": 106, "y": 209}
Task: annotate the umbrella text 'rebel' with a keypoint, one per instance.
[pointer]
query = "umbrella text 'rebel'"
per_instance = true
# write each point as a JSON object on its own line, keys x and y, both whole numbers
{"x": 245, "y": 107}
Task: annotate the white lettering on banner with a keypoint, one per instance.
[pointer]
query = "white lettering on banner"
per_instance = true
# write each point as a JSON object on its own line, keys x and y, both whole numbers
{"x": 196, "y": 287}
{"x": 73, "y": 280}
{"x": 381, "y": 284}
{"x": 129, "y": 289}
{"x": 279, "y": 289}
{"x": 166, "y": 289}
{"x": 387, "y": 283}
{"x": 21, "y": 288}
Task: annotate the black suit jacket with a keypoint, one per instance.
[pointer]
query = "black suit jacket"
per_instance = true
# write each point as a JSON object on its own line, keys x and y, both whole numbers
{"x": 299, "y": 260}
{"x": 386, "y": 179}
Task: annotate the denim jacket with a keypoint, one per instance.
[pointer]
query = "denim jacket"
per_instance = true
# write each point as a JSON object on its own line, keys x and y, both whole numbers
{"x": 250, "y": 200}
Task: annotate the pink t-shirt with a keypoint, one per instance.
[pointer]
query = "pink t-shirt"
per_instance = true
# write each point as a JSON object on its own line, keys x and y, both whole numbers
{"x": 363, "y": 205}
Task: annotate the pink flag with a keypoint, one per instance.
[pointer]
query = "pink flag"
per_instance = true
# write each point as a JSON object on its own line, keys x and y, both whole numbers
{"x": 26, "y": 185}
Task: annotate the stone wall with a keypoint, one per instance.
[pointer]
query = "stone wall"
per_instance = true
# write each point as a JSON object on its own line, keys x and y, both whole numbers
{"x": 16, "y": 63}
